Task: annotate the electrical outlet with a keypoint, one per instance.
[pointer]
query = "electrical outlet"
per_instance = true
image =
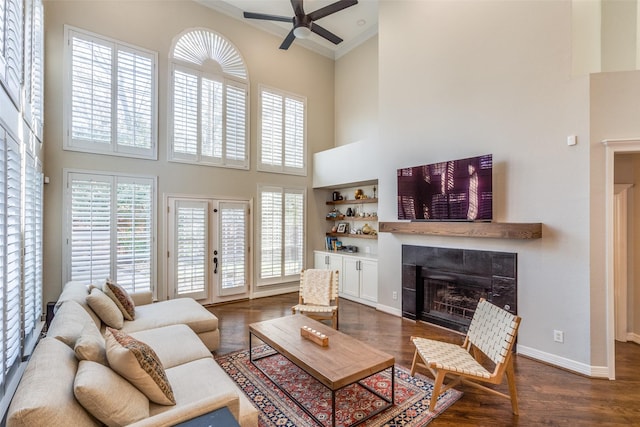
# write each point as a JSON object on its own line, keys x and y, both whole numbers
{"x": 394, "y": 296}
{"x": 558, "y": 336}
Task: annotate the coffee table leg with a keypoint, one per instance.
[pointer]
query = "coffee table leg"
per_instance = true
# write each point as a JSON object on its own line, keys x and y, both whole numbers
{"x": 333, "y": 408}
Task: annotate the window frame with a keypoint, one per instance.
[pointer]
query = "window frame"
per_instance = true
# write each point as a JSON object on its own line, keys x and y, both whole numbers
{"x": 114, "y": 179}
{"x": 282, "y": 277}
{"x": 114, "y": 147}
{"x": 282, "y": 168}
{"x": 231, "y": 75}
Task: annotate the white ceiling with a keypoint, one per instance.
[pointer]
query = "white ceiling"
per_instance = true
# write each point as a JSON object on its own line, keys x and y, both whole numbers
{"x": 354, "y": 24}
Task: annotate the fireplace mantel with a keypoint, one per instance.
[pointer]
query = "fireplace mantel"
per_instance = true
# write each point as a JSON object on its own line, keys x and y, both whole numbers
{"x": 494, "y": 230}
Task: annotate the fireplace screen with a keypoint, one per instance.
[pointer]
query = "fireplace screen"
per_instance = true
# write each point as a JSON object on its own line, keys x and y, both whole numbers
{"x": 451, "y": 303}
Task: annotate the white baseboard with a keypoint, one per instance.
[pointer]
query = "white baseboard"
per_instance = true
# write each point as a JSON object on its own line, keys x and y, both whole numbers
{"x": 633, "y": 337}
{"x": 389, "y": 310}
{"x": 562, "y": 362}
{"x": 261, "y": 292}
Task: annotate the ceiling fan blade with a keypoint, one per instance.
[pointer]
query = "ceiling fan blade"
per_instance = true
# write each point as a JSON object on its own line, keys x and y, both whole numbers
{"x": 298, "y": 9}
{"x": 325, "y": 33}
{"x": 288, "y": 40}
{"x": 266, "y": 17}
{"x": 332, "y": 8}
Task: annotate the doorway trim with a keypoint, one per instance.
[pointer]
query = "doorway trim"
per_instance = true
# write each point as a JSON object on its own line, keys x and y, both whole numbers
{"x": 612, "y": 147}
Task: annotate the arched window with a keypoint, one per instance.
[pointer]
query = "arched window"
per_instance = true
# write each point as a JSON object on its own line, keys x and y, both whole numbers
{"x": 209, "y": 105}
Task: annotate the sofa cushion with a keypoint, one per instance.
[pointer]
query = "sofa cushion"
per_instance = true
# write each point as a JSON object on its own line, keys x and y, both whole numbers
{"x": 204, "y": 378}
{"x": 174, "y": 345}
{"x": 46, "y": 390}
{"x": 76, "y": 291}
{"x": 139, "y": 364}
{"x": 107, "y": 396}
{"x": 105, "y": 308}
{"x": 171, "y": 312}
{"x": 90, "y": 345}
{"x": 121, "y": 297}
{"x": 68, "y": 323}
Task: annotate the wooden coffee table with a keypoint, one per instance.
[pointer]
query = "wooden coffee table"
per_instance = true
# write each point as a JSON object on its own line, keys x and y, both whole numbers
{"x": 343, "y": 362}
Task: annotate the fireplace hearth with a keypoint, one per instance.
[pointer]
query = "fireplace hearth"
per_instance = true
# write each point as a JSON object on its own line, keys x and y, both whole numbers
{"x": 443, "y": 285}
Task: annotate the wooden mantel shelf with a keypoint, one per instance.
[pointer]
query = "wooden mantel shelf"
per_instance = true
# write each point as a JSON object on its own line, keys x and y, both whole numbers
{"x": 494, "y": 230}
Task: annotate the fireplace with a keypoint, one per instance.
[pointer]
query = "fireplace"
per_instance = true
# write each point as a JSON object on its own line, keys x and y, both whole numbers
{"x": 443, "y": 285}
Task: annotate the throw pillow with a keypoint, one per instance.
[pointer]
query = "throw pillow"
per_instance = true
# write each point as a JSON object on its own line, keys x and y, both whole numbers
{"x": 90, "y": 345}
{"x": 122, "y": 299}
{"x": 138, "y": 363}
{"x": 107, "y": 396}
{"x": 105, "y": 308}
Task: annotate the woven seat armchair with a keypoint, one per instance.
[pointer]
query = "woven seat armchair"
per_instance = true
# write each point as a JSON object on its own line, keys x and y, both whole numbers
{"x": 318, "y": 297}
{"x": 492, "y": 334}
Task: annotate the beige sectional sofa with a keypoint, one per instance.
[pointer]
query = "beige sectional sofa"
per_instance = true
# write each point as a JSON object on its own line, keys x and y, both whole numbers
{"x": 69, "y": 382}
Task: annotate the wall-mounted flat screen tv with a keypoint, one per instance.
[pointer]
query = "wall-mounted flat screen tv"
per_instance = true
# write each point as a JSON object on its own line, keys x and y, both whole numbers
{"x": 457, "y": 190}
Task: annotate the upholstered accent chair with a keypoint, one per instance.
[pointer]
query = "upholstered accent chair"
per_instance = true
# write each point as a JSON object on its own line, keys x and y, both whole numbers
{"x": 318, "y": 298}
{"x": 492, "y": 334}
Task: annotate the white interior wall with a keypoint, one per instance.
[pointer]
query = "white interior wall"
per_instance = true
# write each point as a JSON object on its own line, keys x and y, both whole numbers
{"x": 463, "y": 78}
{"x": 153, "y": 25}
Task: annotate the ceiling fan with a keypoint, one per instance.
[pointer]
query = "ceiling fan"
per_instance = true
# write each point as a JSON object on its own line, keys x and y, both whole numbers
{"x": 303, "y": 24}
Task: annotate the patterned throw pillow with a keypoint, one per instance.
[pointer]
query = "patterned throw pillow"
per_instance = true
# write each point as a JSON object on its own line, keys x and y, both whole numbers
{"x": 140, "y": 365}
{"x": 122, "y": 299}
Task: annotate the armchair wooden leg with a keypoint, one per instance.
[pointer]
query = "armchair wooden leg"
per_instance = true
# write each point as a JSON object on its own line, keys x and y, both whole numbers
{"x": 511, "y": 380}
{"x": 414, "y": 363}
{"x": 437, "y": 384}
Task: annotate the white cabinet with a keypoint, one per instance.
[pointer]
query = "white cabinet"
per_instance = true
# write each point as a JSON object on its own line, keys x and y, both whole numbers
{"x": 327, "y": 261}
{"x": 358, "y": 275}
{"x": 360, "y": 279}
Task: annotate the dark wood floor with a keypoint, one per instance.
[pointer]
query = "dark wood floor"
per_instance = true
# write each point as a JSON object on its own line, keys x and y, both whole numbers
{"x": 547, "y": 395}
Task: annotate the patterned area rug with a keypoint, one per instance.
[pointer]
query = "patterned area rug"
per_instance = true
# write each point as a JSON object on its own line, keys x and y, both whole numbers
{"x": 352, "y": 403}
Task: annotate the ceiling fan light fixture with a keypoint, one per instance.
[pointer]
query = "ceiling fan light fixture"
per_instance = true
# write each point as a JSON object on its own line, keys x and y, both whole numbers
{"x": 301, "y": 32}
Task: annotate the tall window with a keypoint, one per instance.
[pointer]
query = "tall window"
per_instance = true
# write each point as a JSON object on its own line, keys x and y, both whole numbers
{"x": 282, "y": 216}
{"x": 112, "y": 96}
{"x": 110, "y": 227}
{"x": 34, "y": 65}
{"x": 209, "y": 102}
{"x": 282, "y": 138}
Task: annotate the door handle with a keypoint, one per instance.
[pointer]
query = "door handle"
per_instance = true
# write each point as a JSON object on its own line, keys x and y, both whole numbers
{"x": 215, "y": 265}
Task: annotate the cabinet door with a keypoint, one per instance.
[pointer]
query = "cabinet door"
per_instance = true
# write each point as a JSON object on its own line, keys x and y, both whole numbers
{"x": 320, "y": 260}
{"x": 350, "y": 277}
{"x": 369, "y": 280}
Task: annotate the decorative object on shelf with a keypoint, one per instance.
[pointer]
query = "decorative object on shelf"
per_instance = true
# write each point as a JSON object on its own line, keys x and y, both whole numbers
{"x": 314, "y": 336}
{"x": 349, "y": 212}
{"x": 336, "y": 196}
{"x": 342, "y": 227}
{"x": 374, "y": 191}
{"x": 366, "y": 229}
{"x": 334, "y": 228}
{"x": 359, "y": 194}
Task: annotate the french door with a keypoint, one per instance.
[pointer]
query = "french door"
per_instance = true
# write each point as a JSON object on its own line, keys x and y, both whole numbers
{"x": 208, "y": 248}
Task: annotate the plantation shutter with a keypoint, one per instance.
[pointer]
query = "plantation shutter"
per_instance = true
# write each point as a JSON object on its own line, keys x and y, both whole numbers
{"x": 91, "y": 68}
{"x": 113, "y": 96}
{"x": 13, "y": 47}
{"x": 191, "y": 248}
{"x": 134, "y": 233}
{"x": 90, "y": 253}
{"x": 13, "y": 274}
{"x": 236, "y": 123}
{"x": 135, "y": 107}
{"x": 3, "y": 248}
{"x": 211, "y": 120}
{"x": 282, "y": 133}
{"x": 271, "y": 134}
{"x": 294, "y": 134}
{"x": 270, "y": 233}
{"x": 293, "y": 232}
{"x": 233, "y": 228}
{"x": 32, "y": 306}
{"x": 185, "y": 115}
{"x": 33, "y": 64}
